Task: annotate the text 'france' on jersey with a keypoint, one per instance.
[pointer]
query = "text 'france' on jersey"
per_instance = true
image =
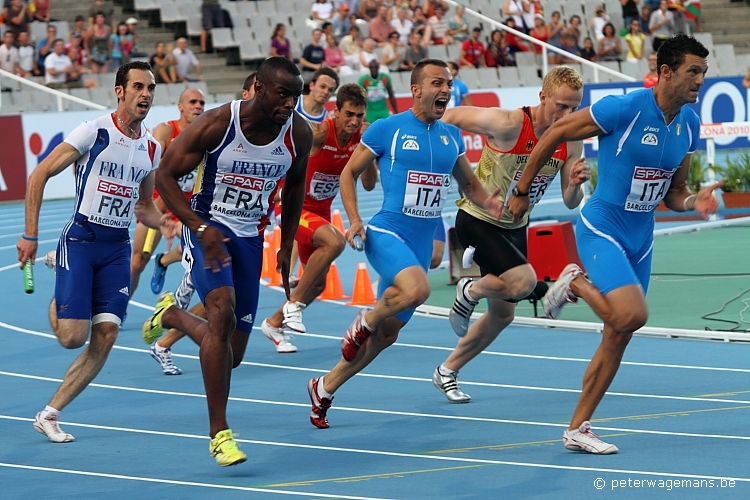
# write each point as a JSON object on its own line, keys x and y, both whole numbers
{"x": 240, "y": 179}
{"x": 109, "y": 172}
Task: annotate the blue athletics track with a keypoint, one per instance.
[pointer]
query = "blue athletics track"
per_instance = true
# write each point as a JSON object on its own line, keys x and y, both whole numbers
{"x": 678, "y": 410}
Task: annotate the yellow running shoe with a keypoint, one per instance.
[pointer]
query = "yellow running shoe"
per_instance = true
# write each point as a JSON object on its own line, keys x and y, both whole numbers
{"x": 224, "y": 449}
{"x": 152, "y": 328}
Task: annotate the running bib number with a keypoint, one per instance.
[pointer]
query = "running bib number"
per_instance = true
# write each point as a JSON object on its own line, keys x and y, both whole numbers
{"x": 425, "y": 194}
{"x": 242, "y": 196}
{"x": 323, "y": 186}
{"x": 538, "y": 186}
{"x": 647, "y": 189}
{"x": 113, "y": 204}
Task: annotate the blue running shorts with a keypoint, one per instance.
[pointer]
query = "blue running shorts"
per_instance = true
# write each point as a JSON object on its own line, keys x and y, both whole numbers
{"x": 607, "y": 262}
{"x": 243, "y": 273}
{"x": 389, "y": 254}
{"x": 92, "y": 278}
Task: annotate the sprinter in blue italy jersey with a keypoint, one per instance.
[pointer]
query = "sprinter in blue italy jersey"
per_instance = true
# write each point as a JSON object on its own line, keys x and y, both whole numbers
{"x": 416, "y": 155}
{"x": 646, "y": 139}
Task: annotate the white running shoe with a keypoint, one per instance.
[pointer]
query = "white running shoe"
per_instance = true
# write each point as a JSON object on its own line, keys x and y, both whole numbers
{"x": 583, "y": 439}
{"x": 279, "y": 337}
{"x": 559, "y": 293}
{"x": 293, "y": 316}
{"x": 184, "y": 293}
{"x": 50, "y": 428}
{"x": 448, "y": 385}
{"x": 50, "y": 259}
{"x": 460, "y": 313}
{"x": 164, "y": 358}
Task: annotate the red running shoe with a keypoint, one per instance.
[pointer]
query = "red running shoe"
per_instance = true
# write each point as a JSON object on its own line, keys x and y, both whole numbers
{"x": 319, "y": 405}
{"x": 355, "y": 336}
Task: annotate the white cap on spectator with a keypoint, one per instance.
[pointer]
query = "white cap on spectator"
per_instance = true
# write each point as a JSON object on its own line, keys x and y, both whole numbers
{"x": 131, "y": 20}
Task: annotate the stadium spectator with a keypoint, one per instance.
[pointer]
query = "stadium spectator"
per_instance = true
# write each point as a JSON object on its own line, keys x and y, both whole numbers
{"x": 184, "y": 60}
{"x": 439, "y": 25}
{"x": 56, "y": 65}
{"x": 17, "y": 17}
{"x": 693, "y": 13}
{"x": 515, "y": 44}
{"x": 280, "y": 45}
{"x": 402, "y": 24}
{"x": 41, "y": 11}
{"x": 629, "y": 11}
{"x": 99, "y": 44}
{"x": 132, "y": 24}
{"x": 644, "y": 19}
{"x": 326, "y": 29}
{"x": 350, "y": 45}
{"x": 636, "y": 41}
{"x": 661, "y": 24}
{"x": 429, "y": 7}
{"x": 122, "y": 45}
{"x": 313, "y": 55}
{"x": 74, "y": 76}
{"x": 321, "y": 10}
{"x": 44, "y": 46}
{"x": 746, "y": 80}
{"x": 610, "y": 47}
{"x": 596, "y": 24}
{"x": 414, "y": 53}
{"x": 516, "y": 10}
{"x": 162, "y": 61}
{"x": 380, "y": 27}
{"x": 79, "y": 26}
{"x": 458, "y": 28}
{"x": 393, "y": 52}
{"x": 27, "y": 55}
{"x": 106, "y": 7}
{"x": 366, "y": 55}
{"x": 498, "y": 52}
{"x": 653, "y": 74}
{"x": 212, "y": 17}
{"x": 341, "y": 22}
{"x": 472, "y": 50}
{"x": 588, "y": 51}
{"x": 76, "y": 40}
{"x": 555, "y": 29}
{"x": 421, "y": 25}
{"x": 539, "y": 32}
{"x": 9, "y": 54}
{"x": 569, "y": 45}
{"x": 335, "y": 57}
{"x": 459, "y": 91}
{"x": 368, "y": 9}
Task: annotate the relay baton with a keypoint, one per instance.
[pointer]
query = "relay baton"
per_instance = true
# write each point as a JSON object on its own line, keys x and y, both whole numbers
{"x": 148, "y": 244}
{"x": 28, "y": 277}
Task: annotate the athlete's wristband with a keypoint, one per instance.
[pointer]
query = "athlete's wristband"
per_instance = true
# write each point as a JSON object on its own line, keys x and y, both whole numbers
{"x": 199, "y": 232}
{"x": 29, "y": 238}
{"x": 685, "y": 201}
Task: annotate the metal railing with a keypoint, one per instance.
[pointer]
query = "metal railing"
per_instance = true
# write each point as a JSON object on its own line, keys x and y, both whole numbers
{"x": 545, "y": 47}
{"x": 38, "y": 86}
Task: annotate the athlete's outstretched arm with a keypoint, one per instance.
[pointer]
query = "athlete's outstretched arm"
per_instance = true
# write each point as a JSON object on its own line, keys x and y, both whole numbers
{"x": 57, "y": 161}
{"x": 293, "y": 195}
{"x": 573, "y": 174}
{"x": 574, "y": 127}
{"x": 148, "y": 213}
{"x": 492, "y": 122}
{"x": 361, "y": 159}
{"x": 162, "y": 133}
{"x": 475, "y": 190}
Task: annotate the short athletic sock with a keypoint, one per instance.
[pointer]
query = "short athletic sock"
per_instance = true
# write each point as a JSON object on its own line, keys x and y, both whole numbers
{"x": 468, "y": 297}
{"x": 322, "y": 393}
{"x": 48, "y": 410}
{"x": 159, "y": 348}
{"x": 445, "y": 371}
{"x": 364, "y": 323}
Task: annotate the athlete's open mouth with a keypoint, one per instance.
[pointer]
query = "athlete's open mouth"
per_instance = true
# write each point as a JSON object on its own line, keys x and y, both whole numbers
{"x": 441, "y": 104}
{"x": 143, "y": 105}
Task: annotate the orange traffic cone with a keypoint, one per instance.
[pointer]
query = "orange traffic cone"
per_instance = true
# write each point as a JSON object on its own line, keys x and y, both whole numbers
{"x": 276, "y": 239}
{"x": 338, "y": 221}
{"x": 362, "y": 294}
{"x": 334, "y": 290}
{"x": 266, "y": 272}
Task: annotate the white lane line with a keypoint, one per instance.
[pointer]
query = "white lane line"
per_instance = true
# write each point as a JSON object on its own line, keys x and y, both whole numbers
{"x": 17, "y": 235}
{"x": 144, "y": 479}
{"x": 383, "y": 412}
{"x": 41, "y": 242}
{"x": 413, "y": 379}
{"x": 364, "y": 451}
